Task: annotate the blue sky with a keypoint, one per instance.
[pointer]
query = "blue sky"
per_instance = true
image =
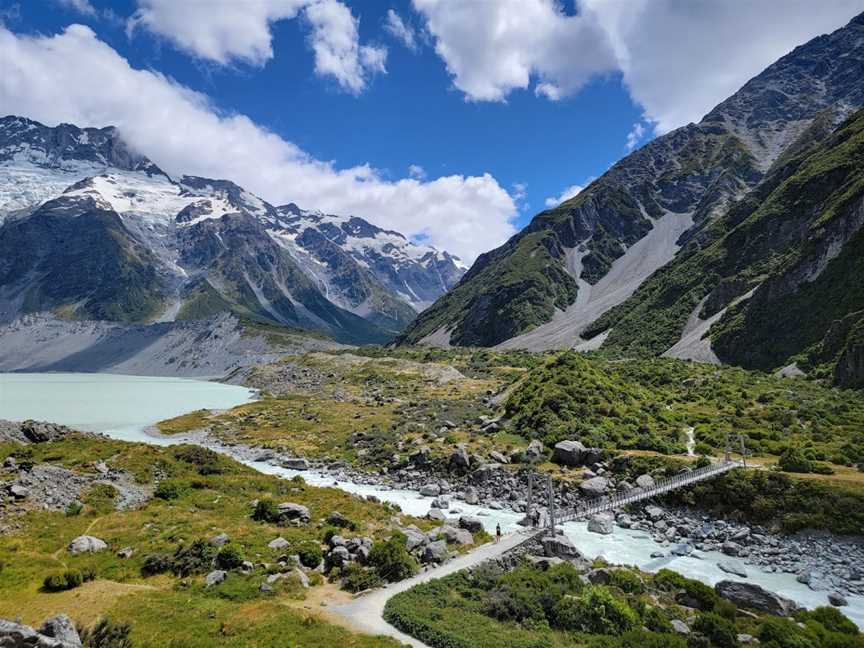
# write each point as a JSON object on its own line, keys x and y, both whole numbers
{"x": 504, "y": 104}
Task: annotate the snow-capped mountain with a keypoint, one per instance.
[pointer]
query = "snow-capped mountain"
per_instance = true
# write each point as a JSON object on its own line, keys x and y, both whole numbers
{"x": 156, "y": 248}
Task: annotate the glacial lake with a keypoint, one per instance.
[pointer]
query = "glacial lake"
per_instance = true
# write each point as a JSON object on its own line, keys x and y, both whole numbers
{"x": 119, "y": 406}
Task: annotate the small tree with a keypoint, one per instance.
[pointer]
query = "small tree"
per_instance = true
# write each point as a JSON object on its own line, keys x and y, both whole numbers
{"x": 266, "y": 511}
{"x": 229, "y": 557}
{"x": 391, "y": 559}
{"x": 794, "y": 460}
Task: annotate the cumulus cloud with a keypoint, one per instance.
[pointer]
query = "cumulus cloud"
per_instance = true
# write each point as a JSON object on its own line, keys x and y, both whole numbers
{"x": 678, "y": 59}
{"x": 224, "y": 31}
{"x": 81, "y": 6}
{"x": 570, "y": 192}
{"x": 398, "y": 29}
{"x": 416, "y": 171}
{"x": 493, "y": 48}
{"x": 635, "y": 135}
{"x": 75, "y": 77}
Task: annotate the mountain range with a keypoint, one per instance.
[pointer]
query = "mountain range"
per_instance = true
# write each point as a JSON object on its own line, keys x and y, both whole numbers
{"x": 91, "y": 230}
{"x": 736, "y": 239}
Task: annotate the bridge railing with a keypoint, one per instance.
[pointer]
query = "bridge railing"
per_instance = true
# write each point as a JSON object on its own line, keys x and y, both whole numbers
{"x": 608, "y": 503}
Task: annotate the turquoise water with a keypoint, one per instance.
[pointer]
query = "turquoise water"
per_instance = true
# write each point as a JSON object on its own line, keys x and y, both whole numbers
{"x": 120, "y": 406}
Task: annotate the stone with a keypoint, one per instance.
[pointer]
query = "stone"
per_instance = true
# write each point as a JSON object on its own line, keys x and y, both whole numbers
{"x": 655, "y": 512}
{"x": 338, "y": 556}
{"x": 19, "y": 492}
{"x": 337, "y": 519}
{"x": 430, "y": 490}
{"x": 460, "y": 459}
{"x": 568, "y": 453}
{"x": 497, "y": 457}
{"x": 658, "y": 554}
{"x": 436, "y": 514}
{"x": 215, "y": 577}
{"x": 470, "y": 496}
{"x": 746, "y": 639}
{"x": 733, "y": 567}
{"x": 472, "y": 524}
{"x": 278, "y": 544}
{"x": 731, "y": 548}
{"x": 62, "y": 629}
{"x": 87, "y": 544}
{"x": 603, "y": 523}
{"x": 266, "y": 588}
{"x": 560, "y": 547}
{"x": 750, "y": 595}
{"x": 680, "y": 627}
{"x": 302, "y": 577}
{"x": 295, "y": 463}
{"x": 435, "y": 551}
{"x": 594, "y": 487}
{"x": 126, "y": 552}
{"x": 534, "y": 452}
{"x": 414, "y": 538}
{"x": 645, "y": 482}
{"x": 10, "y": 463}
{"x": 293, "y": 512}
{"x": 457, "y": 536}
{"x": 219, "y": 540}
{"x": 837, "y": 600}
{"x": 683, "y": 549}
{"x": 440, "y": 503}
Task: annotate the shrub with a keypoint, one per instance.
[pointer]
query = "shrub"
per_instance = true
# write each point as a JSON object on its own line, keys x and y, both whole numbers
{"x": 656, "y": 621}
{"x": 783, "y": 633}
{"x": 205, "y": 459}
{"x": 626, "y": 581}
{"x": 720, "y": 631}
{"x": 310, "y": 554}
{"x": 266, "y": 511}
{"x": 106, "y": 634}
{"x": 70, "y": 579}
{"x": 168, "y": 489}
{"x": 357, "y": 579}
{"x": 229, "y": 557}
{"x": 794, "y": 460}
{"x": 596, "y": 611}
{"x": 832, "y": 619}
{"x": 702, "y": 595}
{"x": 156, "y": 563}
{"x": 391, "y": 559}
{"x": 703, "y": 462}
{"x": 74, "y": 509}
{"x": 197, "y": 558}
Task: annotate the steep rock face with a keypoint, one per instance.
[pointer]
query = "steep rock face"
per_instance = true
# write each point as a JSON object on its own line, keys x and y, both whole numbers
{"x": 697, "y": 171}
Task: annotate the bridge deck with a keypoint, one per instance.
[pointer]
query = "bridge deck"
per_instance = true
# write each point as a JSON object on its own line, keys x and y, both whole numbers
{"x": 601, "y": 504}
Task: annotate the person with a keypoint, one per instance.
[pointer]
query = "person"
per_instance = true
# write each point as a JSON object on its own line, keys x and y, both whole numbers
{"x": 497, "y": 533}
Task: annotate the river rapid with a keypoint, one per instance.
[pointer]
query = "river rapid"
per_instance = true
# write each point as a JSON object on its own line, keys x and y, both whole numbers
{"x": 127, "y": 407}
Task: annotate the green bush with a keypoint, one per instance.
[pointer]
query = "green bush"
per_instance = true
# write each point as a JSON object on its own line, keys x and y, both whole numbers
{"x": 391, "y": 559}
{"x": 656, "y": 620}
{"x": 627, "y": 581}
{"x": 197, "y": 558}
{"x": 205, "y": 459}
{"x": 595, "y": 610}
{"x": 106, "y": 634}
{"x": 266, "y": 510}
{"x": 703, "y": 462}
{"x": 70, "y": 579}
{"x": 156, "y": 563}
{"x": 229, "y": 557}
{"x": 168, "y": 489}
{"x": 310, "y": 554}
{"x": 783, "y": 633}
{"x": 74, "y": 509}
{"x": 702, "y": 595}
{"x": 832, "y": 620}
{"x": 355, "y": 578}
{"x": 720, "y": 631}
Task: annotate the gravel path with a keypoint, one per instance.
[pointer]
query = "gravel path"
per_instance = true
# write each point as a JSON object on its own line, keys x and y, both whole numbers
{"x": 366, "y": 612}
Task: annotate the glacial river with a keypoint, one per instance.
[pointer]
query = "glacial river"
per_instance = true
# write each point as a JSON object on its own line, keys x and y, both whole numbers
{"x": 123, "y": 407}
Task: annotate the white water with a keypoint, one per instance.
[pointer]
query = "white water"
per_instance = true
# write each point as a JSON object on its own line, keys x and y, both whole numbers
{"x": 691, "y": 442}
{"x": 123, "y": 407}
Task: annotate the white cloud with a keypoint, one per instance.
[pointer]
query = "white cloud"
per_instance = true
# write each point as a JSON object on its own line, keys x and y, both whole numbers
{"x": 225, "y": 31}
{"x": 75, "y": 77}
{"x": 678, "y": 59}
{"x": 635, "y": 135}
{"x": 416, "y": 171}
{"x": 567, "y": 194}
{"x": 493, "y": 48}
{"x": 396, "y": 27}
{"x": 81, "y": 6}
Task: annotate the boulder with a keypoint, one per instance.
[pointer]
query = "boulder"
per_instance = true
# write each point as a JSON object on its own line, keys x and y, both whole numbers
{"x": 472, "y": 524}
{"x": 645, "y": 482}
{"x": 683, "y": 549}
{"x": 18, "y": 635}
{"x": 733, "y": 567}
{"x": 436, "y": 514}
{"x": 497, "y": 457}
{"x": 594, "y": 487}
{"x": 560, "y": 547}
{"x": 470, "y": 496}
{"x": 302, "y": 577}
{"x": 87, "y": 544}
{"x": 534, "y": 452}
{"x": 19, "y": 492}
{"x": 457, "y": 536}
{"x": 335, "y": 518}
{"x": 460, "y": 460}
{"x": 603, "y": 523}
{"x": 414, "y": 538}
{"x": 62, "y": 629}
{"x": 215, "y": 578}
{"x": 278, "y": 544}
{"x": 430, "y": 490}
{"x": 731, "y": 548}
{"x": 295, "y": 463}
{"x": 338, "y": 556}
{"x": 837, "y": 600}
{"x": 126, "y": 552}
{"x": 291, "y": 512}
{"x": 568, "y": 453}
{"x": 440, "y": 503}
{"x": 219, "y": 540}
{"x": 435, "y": 552}
{"x": 750, "y": 595}
{"x": 655, "y": 512}
{"x": 680, "y": 627}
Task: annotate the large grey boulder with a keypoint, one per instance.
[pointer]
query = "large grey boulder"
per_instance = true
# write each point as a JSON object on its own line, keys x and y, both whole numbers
{"x": 278, "y": 544}
{"x": 470, "y": 496}
{"x": 414, "y": 538}
{"x": 560, "y": 547}
{"x": 750, "y": 595}
{"x": 62, "y": 629}
{"x": 603, "y": 523}
{"x": 457, "y": 536}
{"x": 219, "y": 540}
{"x": 594, "y": 487}
{"x": 215, "y": 577}
{"x": 470, "y": 523}
{"x": 655, "y": 512}
{"x": 18, "y": 635}
{"x": 460, "y": 459}
{"x": 680, "y": 627}
{"x": 645, "y": 482}
{"x": 291, "y": 512}
{"x": 534, "y": 452}
{"x": 430, "y": 490}
{"x": 568, "y": 453}
{"x": 435, "y": 551}
{"x": 436, "y": 515}
{"x": 295, "y": 463}
{"x": 87, "y": 544}
{"x": 837, "y": 600}
{"x": 733, "y": 567}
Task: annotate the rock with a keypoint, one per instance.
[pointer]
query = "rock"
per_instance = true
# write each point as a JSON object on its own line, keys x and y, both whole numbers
{"x": 337, "y": 541}
{"x": 266, "y": 588}
{"x": 215, "y": 577}
{"x": 435, "y": 551}
{"x": 658, "y": 554}
{"x": 568, "y": 453}
{"x": 603, "y": 523}
{"x": 87, "y": 544}
{"x": 655, "y": 512}
{"x": 62, "y": 629}
{"x": 457, "y": 536}
{"x": 733, "y": 567}
{"x": 436, "y": 514}
{"x": 295, "y": 463}
{"x": 837, "y": 600}
{"x": 302, "y": 577}
{"x": 247, "y": 567}
{"x": 645, "y": 482}
{"x": 683, "y": 549}
{"x": 338, "y": 556}
{"x": 337, "y": 519}
{"x": 460, "y": 459}
{"x": 497, "y": 457}
{"x": 278, "y": 544}
{"x": 750, "y": 595}
{"x": 472, "y": 524}
{"x": 289, "y": 511}
{"x": 746, "y": 639}
{"x": 421, "y": 457}
{"x": 430, "y": 490}
{"x": 560, "y": 547}
{"x": 126, "y": 552}
{"x": 731, "y": 548}
{"x": 414, "y": 538}
{"x": 594, "y": 487}
{"x": 219, "y": 540}
{"x": 18, "y": 635}
{"x": 440, "y": 503}
{"x": 19, "y": 492}
{"x": 534, "y": 452}
{"x": 470, "y": 496}
{"x": 680, "y": 627}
